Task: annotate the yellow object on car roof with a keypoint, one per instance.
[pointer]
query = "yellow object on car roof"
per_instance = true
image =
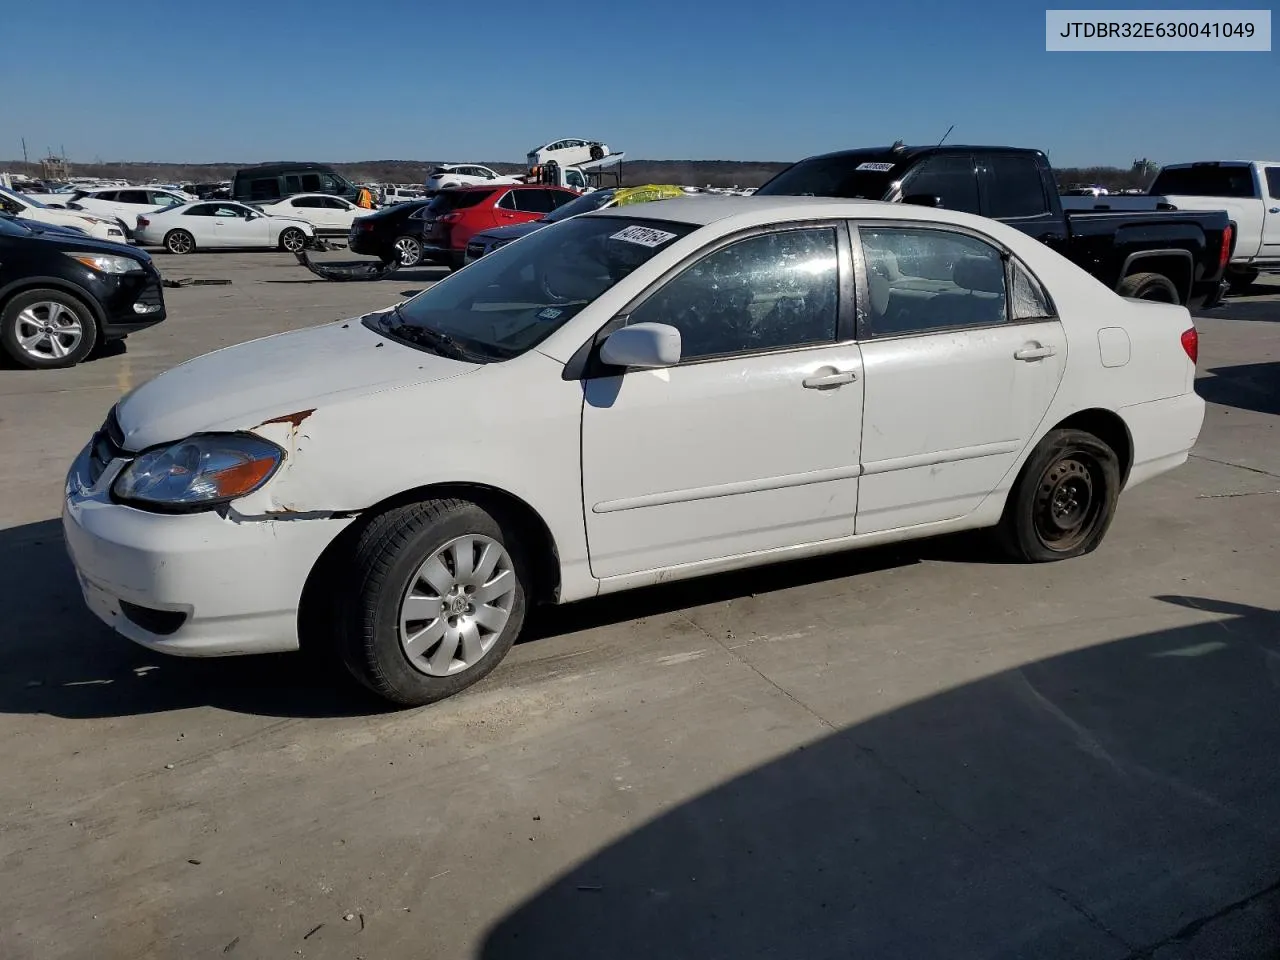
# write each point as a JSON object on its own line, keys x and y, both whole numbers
{"x": 650, "y": 191}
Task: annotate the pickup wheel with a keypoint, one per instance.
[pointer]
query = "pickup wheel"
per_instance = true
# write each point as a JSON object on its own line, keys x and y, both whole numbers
{"x": 1242, "y": 279}
{"x": 1064, "y": 500}
{"x": 1149, "y": 286}
{"x": 433, "y": 598}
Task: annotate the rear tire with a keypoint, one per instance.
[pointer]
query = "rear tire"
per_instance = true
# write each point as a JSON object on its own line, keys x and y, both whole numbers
{"x": 1064, "y": 500}
{"x": 179, "y": 242}
{"x": 433, "y": 599}
{"x": 1149, "y": 286}
{"x": 409, "y": 250}
{"x": 1239, "y": 281}
{"x": 47, "y": 329}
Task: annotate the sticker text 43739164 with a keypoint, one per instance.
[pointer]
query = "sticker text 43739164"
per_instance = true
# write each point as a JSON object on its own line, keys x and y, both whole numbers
{"x": 644, "y": 236}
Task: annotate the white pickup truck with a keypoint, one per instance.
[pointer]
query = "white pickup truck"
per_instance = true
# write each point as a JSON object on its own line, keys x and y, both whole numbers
{"x": 1249, "y": 190}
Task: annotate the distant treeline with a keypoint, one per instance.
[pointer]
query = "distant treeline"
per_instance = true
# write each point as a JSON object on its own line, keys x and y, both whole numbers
{"x": 698, "y": 173}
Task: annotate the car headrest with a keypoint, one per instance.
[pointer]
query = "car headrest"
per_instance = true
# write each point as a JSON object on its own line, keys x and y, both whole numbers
{"x": 982, "y": 274}
{"x": 878, "y": 287}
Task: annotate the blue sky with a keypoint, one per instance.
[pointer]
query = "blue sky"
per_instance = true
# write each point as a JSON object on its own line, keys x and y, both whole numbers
{"x": 461, "y": 80}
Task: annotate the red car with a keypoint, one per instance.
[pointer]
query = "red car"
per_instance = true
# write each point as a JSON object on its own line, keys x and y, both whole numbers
{"x": 455, "y": 215}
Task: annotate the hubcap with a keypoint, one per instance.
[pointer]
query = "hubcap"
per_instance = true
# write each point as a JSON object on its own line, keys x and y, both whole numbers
{"x": 49, "y": 331}
{"x": 457, "y": 605}
{"x": 408, "y": 250}
{"x": 1066, "y": 506}
{"x": 179, "y": 243}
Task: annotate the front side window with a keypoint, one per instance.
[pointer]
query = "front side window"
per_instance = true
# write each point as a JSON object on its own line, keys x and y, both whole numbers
{"x": 951, "y": 179}
{"x": 767, "y": 292}
{"x": 920, "y": 280}
{"x": 515, "y": 297}
{"x": 264, "y": 188}
{"x": 311, "y": 183}
{"x": 292, "y": 183}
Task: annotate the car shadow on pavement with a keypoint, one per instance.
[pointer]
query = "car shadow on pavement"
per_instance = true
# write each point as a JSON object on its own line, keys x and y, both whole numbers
{"x": 57, "y": 658}
{"x": 1117, "y": 801}
{"x": 1257, "y": 311}
{"x": 1249, "y": 386}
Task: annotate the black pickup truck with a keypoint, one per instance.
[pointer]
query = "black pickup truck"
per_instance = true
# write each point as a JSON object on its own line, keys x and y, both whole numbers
{"x": 1165, "y": 254}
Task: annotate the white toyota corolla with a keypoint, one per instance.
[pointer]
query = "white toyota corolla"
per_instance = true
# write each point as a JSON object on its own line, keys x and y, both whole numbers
{"x": 631, "y": 396}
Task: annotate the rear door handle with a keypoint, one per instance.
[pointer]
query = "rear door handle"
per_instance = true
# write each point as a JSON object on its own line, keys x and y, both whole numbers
{"x": 829, "y": 379}
{"x": 1034, "y": 351}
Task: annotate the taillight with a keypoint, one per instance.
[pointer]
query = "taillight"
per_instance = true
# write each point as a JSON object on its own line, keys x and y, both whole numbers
{"x": 364, "y": 225}
{"x": 144, "y": 222}
{"x": 451, "y": 218}
{"x": 1225, "y": 255}
{"x": 1191, "y": 343}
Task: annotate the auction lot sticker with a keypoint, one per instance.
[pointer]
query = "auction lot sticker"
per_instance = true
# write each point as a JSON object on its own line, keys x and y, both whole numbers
{"x": 645, "y": 236}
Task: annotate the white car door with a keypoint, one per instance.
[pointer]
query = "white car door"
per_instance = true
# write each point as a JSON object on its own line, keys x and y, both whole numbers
{"x": 959, "y": 370}
{"x": 240, "y": 226}
{"x": 1271, "y": 219}
{"x": 751, "y": 442}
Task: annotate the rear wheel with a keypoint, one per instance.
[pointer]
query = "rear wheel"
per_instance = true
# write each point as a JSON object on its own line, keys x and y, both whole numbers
{"x": 1149, "y": 286}
{"x": 409, "y": 251}
{"x": 1064, "y": 500}
{"x": 46, "y": 329}
{"x": 179, "y": 242}
{"x": 434, "y": 599}
{"x": 292, "y": 239}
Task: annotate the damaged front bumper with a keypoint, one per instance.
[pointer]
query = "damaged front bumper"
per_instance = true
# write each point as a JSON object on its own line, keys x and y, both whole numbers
{"x": 207, "y": 584}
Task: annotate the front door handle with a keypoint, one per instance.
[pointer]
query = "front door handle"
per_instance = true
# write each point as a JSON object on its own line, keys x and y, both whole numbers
{"x": 1034, "y": 351}
{"x": 1273, "y": 209}
{"x": 834, "y": 379}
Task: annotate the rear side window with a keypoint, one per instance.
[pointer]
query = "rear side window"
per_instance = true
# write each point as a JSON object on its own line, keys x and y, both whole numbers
{"x": 264, "y": 188}
{"x": 1027, "y": 300}
{"x": 450, "y": 200}
{"x": 1209, "y": 180}
{"x": 533, "y": 201}
{"x": 921, "y": 280}
{"x": 1273, "y": 182}
{"x": 951, "y": 179}
{"x": 311, "y": 183}
{"x": 293, "y": 183}
{"x": 1014, "y": 188}
{"x": 132, "y": 196}
{"x": 103, "y": 195}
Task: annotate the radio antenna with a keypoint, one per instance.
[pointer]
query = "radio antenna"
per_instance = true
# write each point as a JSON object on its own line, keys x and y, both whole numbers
{"x": 947, "y": 134}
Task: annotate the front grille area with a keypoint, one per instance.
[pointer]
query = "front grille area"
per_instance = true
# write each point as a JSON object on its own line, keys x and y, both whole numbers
{"x": 108, "y": 445}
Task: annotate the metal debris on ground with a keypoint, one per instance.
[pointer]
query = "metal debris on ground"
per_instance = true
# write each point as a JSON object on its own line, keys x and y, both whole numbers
{"x": 192, "y": 282}
{"x": 347, "y": 270}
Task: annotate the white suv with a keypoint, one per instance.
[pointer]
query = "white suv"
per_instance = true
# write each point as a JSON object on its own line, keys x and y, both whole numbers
{"x": 125, "y": 204}
{"x": 464, "y": 175}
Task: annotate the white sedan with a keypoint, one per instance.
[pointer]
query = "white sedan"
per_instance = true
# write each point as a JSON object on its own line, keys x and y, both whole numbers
{"x": 568, "y": 152}
{"x": 625, "y": 398}
{"x": 220, "y": 223}
{"x": 327, "y": 214}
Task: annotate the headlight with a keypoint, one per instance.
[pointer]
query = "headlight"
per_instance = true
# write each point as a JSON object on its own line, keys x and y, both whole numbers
{"x": 200, "y": 472}
{"x": 105, "y": 263}
{"x": 498, "y": 243}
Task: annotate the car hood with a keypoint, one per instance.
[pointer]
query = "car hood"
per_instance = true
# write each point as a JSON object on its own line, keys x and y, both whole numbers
{"x": 282, "y": 377}
{"x": 73, "y": 240}
{"x": 513, "y": 232}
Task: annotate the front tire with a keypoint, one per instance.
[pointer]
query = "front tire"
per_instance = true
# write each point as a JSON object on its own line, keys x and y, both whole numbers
{"x": 292, "y": 240}
{"x": 47, "y": 329}
{"x": 1064, "y": 500}
{"x": 179, "y": 242}
{"x": 409, "y": 250}
{"x": 1149, "y": 286}
{"x": 435, "y": 598}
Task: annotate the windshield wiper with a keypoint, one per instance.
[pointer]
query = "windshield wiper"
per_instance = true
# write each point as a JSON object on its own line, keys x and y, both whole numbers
{"x": 436, "y": 340}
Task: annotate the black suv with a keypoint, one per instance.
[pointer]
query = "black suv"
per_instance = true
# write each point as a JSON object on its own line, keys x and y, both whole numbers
{"x": 389, "y": 234}
{"x": 63, "y": 294}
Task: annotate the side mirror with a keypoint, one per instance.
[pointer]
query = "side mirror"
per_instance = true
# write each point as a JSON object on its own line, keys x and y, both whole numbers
{"x": 923, "y": 200}
{"x": 644, "y": 345}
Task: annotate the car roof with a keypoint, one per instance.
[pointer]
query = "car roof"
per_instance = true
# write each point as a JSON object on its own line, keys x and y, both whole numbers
{"x": 904, "y": 153}
{"x": 267, "y": 169}
{"x": 704, "y": 209}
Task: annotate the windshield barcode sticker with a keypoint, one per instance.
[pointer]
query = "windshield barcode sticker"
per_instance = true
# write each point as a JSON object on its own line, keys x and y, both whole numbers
{"x": 877, "y": 167}
{"x": 645, "y": 236}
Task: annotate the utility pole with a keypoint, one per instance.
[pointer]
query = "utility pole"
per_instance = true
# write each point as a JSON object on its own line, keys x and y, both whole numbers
{"x": 24, "y": 152}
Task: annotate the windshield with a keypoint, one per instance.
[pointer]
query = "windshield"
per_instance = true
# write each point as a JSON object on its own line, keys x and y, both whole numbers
{"x": 514, "y": 298}
{"x": 584, "y": 204}
{"x": 832, "y": 177}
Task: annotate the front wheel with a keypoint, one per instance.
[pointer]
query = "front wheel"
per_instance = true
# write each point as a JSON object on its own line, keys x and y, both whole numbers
{"x": 46, "y": 329}
{"x": 435, "y": 598}
{"x": 292, "y": 239}
{"x": 1064, "y": 500}
{"x": 179, "y": 242}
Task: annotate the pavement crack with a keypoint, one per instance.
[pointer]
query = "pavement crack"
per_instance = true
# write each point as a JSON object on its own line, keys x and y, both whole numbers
{"x": 1238, "y": 466}
{"x": 1189, "y": 930}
